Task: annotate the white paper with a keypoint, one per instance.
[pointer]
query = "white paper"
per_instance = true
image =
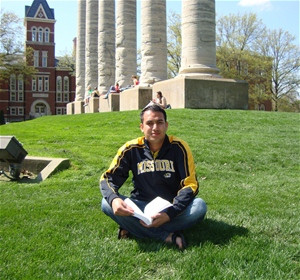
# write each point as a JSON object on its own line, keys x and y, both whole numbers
{"x": 155, "y": 206}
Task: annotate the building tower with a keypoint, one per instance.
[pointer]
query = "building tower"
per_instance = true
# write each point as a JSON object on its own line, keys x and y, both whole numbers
{"x": 51, "y": 88}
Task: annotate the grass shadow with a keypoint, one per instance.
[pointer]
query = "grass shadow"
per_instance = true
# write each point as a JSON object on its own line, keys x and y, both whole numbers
{"x": 213, "y": 231}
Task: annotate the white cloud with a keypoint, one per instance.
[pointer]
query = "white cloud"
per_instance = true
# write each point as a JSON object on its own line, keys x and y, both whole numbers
{"x": 250, "y": 3}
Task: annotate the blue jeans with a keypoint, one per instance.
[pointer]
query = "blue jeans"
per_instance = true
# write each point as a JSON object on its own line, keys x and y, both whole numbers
{"x": 194, "y": 213}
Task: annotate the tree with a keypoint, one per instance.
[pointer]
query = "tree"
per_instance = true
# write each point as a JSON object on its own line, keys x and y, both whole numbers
{"x": 278, "y": 44}
{"x": 236, "y": 37}
{"x": 238, "y": 32}
{"x": 174, "y": 45}
{"x": 13, "y": 58}
{"x": 246, "y": 50}
{"x": 68, "y": 61}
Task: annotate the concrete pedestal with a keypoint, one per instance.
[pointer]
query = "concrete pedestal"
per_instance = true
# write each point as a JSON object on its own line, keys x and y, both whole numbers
{"x": 135, "y": 99}
{"x": 204, "y": 93}
{"x": 112, "y": 103}
{"x": 70, "y": 108}
{"x": 78, "y": 107}
{"x": 93, "y": 106}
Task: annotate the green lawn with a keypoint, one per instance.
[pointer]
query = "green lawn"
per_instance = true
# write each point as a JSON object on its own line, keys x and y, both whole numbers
{"x": 248, "y": 169}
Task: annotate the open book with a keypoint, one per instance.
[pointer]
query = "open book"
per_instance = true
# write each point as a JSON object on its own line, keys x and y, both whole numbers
{"x": 153, "y": 207}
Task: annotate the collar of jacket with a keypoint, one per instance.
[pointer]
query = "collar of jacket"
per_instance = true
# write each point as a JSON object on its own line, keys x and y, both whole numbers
{"x": 164, "y": 148}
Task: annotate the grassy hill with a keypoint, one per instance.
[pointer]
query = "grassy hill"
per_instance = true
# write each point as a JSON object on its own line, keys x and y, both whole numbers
{"x": 248, "y": 169}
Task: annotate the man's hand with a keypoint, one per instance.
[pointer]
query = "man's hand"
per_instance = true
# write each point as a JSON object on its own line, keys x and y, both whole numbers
{"x": 158, "y": 220}
{"x": 120, "y": 208}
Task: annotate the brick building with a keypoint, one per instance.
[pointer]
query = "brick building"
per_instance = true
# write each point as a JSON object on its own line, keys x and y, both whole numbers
{"x": 49, "y": 91}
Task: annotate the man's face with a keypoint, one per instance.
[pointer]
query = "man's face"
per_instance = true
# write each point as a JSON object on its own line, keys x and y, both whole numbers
{"x": 154, "y": 127}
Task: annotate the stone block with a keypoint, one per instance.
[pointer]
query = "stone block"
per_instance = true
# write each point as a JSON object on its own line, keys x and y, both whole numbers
{"x": 78, "y": 107}
{"x": 70, "y": 108}
{"x": 135, "y": 98}
{"x": 112, "y": 103}
{"x": 93, "y": 105}
{"x": 204, "y": 93}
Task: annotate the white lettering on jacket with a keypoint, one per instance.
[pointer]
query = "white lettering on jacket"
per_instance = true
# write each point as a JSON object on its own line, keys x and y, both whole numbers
{"x": 157, "y": 165}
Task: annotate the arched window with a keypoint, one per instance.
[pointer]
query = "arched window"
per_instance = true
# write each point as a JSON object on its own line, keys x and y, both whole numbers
{"x": 40, "y": 83}
{"x": 47, "y": 35}
{"x": 20, "y": 88}
{"x": 58, "y": 84}
{"x": 20, "y": 83}
{"x": 33, "y": 87}
{"x": 44, "y": 58}
{"x": 66, "y": 84}
{"x": 40, "y": 34}
{"x": 13, "y": 82}
{"x": 33, "y": 34}
{"x": 46, "y": 83}
{"x": 36, "y": 58}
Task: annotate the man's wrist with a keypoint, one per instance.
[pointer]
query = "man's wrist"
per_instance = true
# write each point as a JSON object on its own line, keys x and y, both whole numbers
{"x": 111, "y": 198}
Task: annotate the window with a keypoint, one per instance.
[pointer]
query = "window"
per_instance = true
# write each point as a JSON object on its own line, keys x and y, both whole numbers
{"x": 40, "y": 34}
{"x": 44, "y": 58}
{"x": 33, "y": 34}
{"x": 59, "y": 111}
{"x": 20, "y": 83}
{"x": 46, "y": 84}
{"x": 13, "y": 111}
{"x": 40, "y": 84}
{"x": 20, "y": 111}
{"x": 12, "y": 82}
{"x": 47, "y": 33}
{"x": 259, "y": 89}
{"x": 36, "y": 59}
{"x": 58, "y": 97}
{"x": 13, "y": 96}
{"x": 58, "y": 84}
{"x": 66, "y": 97}
{"x": 40, "y": 108}
{"x": 21, "y": 96}
{"x": 33, "y": 85}
{"x": 66, "y": 84}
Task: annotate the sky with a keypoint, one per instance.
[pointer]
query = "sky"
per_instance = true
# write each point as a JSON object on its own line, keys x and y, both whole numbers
{"x": 275, "y": 14}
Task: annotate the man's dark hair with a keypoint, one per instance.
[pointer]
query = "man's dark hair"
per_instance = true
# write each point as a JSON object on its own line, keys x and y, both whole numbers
{"x": 153, "y": 108}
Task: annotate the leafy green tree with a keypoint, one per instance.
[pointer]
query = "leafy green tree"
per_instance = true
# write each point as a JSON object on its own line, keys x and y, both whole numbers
{"x": 289, "y": 103}
{"x": 174, "y": 45}
{"x": 69, "y": 62}
{"x": 278, "y": 44}
{"x": 13, "y": 58}
{"x": 239, "y": 32}
{"x": 236, "y": 37}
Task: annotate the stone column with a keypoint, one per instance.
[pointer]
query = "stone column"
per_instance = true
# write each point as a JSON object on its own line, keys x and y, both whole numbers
{"x": 91, "y": 45}
{"x": 126, "y": 49}
{"x": 80, "y": 52}
{"x": 198, "y": 38}
{"x": 154, "y": 41}
{"x": 106, "y": 45}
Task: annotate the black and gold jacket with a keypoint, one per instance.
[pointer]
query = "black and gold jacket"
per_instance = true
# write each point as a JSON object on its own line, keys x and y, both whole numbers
{"x": 170, "y": 175}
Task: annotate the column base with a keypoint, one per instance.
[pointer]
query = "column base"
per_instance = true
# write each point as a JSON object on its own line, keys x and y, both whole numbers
{"x": 204, "y": 93}
{"x": 78, "y": 107}
{"x": 136, "y": 98}
{"x": 70, "y": 108}
{"x": 200, "y": 70}
{"x": 112, "y": 103}
{"x": 93, "y": 105}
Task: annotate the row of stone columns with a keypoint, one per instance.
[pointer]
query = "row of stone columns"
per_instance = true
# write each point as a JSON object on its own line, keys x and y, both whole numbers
{"x": 106, "y": 45}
